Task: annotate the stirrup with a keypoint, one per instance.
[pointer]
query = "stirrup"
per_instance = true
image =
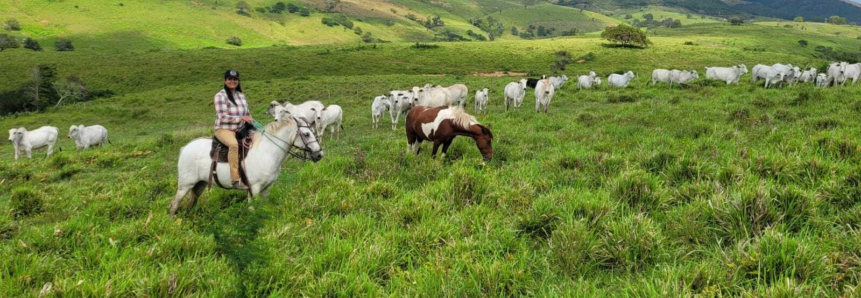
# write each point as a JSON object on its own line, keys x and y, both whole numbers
{"x": 240, "y": 185}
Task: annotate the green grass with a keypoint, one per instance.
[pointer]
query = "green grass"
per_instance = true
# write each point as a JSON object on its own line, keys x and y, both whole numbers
{"x": 706, "y": 190}
{"x": 551, "y": 16}
{"x": 661, "y": 13}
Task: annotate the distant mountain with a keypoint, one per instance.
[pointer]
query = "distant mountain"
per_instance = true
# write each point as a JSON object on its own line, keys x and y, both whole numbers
{"x": 784, "y": 9}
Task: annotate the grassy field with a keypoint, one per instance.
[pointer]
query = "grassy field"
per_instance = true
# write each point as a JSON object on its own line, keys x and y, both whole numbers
{"x": 706, "y": 190}
{"x": 660, "y": 13}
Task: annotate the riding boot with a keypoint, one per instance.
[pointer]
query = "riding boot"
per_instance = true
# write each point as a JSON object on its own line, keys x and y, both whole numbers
{"x": 233, "y": 161}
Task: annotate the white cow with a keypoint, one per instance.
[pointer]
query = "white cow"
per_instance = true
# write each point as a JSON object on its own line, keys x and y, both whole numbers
{"x": 380, "y": 105}
{"x": 808, "y": 76}
{"x": 786, "y": 71}
{"x": 25, "y": 141}
{"x": 851, "y": 71}
{"x": 598, "y": 82}
{"x": 434, "y": 97}
{"x": 586, "y": 82}
{"x": 401, "y": 101}
{"x": 514, "y": 93}
{"x": 481, "y": 98}
{"x": 683, "y": 76}
{"x": 543, "y": 94}
{"x": 768, "y": 73}
{"x": 88, "y": 136}
{"x": 835, "y": 73}
{"x": 558, "y": 81}
{"x": 332, "y": 117}
{"x": 663, "y": 76}
{"x": 822, "y": 80}
{"x": 458, "y": 92}
{"x": 620, "y": 80}
{"x": 726, "y": 74}
{"x": 306, "y": 110}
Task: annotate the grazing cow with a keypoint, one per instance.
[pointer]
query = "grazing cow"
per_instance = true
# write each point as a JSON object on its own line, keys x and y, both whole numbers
{"x": 89, "y": 136}
{"x": 726, "y": 74}
{"x": 620, "y": 80}
{"x": 683, "y": 76}
{"x": 332, "y": 117}
{"x": 380, "y": 105}
{"x": 586, "y": 82}
{"x": 458, "y": 92}
{"x": 786, "y": 71}
{"x": 543, "y": 95}
{"x": 481, "y": 98}
{"x": 558, "y": 81}
{"x": 441, "y": 125}
{"x": 401, "y": 102}
{"x": 514, "y": 93}
{"x": 25, "y": 141}
{"x": 663, "y": 76}
{"x": 434, "y": 97}
{"x": 835, "y": 73}
{"x": 808, "y": 76}
{"x": 822, "y": 80}
{"x": 851, "y": 71}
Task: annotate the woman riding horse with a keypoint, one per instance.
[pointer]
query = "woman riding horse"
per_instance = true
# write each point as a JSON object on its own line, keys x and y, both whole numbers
{"x": 231, "y": 110}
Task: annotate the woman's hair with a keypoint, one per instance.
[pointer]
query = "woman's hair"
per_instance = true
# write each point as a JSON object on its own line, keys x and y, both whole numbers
{"x": 230, "y": 94}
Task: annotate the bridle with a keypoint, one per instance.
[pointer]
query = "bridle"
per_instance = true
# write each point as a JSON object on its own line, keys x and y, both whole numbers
{"x": 300, "y": 153}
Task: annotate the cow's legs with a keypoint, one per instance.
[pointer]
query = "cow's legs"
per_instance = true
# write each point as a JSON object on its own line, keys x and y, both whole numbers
{"x": 50, "y": 149}
{"x": 30, "y": 153}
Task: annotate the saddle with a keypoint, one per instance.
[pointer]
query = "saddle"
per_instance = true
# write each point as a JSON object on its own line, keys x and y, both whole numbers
{"x": 219, "y": 152}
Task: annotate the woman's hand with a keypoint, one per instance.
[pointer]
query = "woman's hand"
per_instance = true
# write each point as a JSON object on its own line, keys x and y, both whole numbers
{"x": 247, "y": 119}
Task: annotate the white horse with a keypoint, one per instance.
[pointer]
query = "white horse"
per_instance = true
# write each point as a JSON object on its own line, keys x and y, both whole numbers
{"x": 263, "y": 163}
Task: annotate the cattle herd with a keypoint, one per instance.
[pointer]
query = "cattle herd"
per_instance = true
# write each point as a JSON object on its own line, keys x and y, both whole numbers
{"x": 24, "y": 141}
{"x": 400, "y": 102}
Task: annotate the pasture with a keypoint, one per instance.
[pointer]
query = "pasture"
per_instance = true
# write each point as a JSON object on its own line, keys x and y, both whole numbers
{"x": 706, "y": 189}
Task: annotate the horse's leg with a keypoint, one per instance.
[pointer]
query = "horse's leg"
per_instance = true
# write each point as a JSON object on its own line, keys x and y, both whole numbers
{"x": 196, "y": 191}
{"x": 181, "y": 191}
{"x": 435, "y": 148}
{"x": 445, "y": 145}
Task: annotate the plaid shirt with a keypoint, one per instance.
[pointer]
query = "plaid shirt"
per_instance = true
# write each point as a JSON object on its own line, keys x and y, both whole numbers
{"x": 228, "y": 115}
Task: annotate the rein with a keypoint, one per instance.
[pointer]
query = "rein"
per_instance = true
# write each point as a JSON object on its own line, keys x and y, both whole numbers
{"x": 289, "y": 150}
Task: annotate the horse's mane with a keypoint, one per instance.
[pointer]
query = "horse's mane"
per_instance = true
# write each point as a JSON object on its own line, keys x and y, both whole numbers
{"x": 462, "y": 118}
{"x": 272, "y": 128}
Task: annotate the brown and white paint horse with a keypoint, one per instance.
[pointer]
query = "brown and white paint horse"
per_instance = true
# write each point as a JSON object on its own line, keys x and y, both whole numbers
{"x": 441, "y": 124}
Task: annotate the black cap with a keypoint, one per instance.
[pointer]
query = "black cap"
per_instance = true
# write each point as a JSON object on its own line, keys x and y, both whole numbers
{"x": 231, "y": 74}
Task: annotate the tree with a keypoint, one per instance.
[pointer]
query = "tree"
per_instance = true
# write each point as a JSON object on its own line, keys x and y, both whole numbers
{"x": 837, "y": 20}
{"x": 72, "y": 88}
{"x": 279, "y": 7}
{"x": 292, "y": 8}
{"x": 32, "y": 44}
{"x": 233, "y": 40}
{"x": 626, "y": 35}
{"x": 8, "y": 42}
{"x": 305, "y": 12}
{"x": 513, "y": 30}
{"x": 243, "y": 8}
{"x": 358, "y": 30}
{"x": 40, "y": 88}
{"x": 802, "y": 43}
{"x": 799, "y": 19}
{"x": 12, "y": 24}
{"x": 64, "y": 45}
{"x": 367, "y": 37}
{"x": 541, "y": 31}
{"x": 649, "y": 17}
{"x": 736, "y": 21}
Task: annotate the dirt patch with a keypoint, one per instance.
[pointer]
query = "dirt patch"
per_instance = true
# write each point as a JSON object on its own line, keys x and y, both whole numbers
{"x": 497, "y": 74}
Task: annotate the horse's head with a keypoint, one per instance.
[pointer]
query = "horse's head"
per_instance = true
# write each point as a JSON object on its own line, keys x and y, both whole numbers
{"x": 306, "y": 140}
{"x": 483, "y": 139}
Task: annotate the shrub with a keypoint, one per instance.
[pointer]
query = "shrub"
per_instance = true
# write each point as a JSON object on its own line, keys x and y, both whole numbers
{"x": 25, "y": 202}
{"x": 8, "y": 42}
{"x": 424, "y": 46}
{"x": 233, "y": 40}
{"x": 358, "y": 30}
{"x": 305, "y": 12}
{"x": 32, "y": 44}
{"x": 802, "y": 43}
{"x": 626, "y": 35}
{"x": 292, "y": 8}
{"x": 736, "y": 21}
{"x": 64, "y": 45}
{"x": 12, "y": 24}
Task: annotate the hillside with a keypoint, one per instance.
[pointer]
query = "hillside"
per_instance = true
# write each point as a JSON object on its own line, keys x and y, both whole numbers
{"x": 143, "y": 25}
